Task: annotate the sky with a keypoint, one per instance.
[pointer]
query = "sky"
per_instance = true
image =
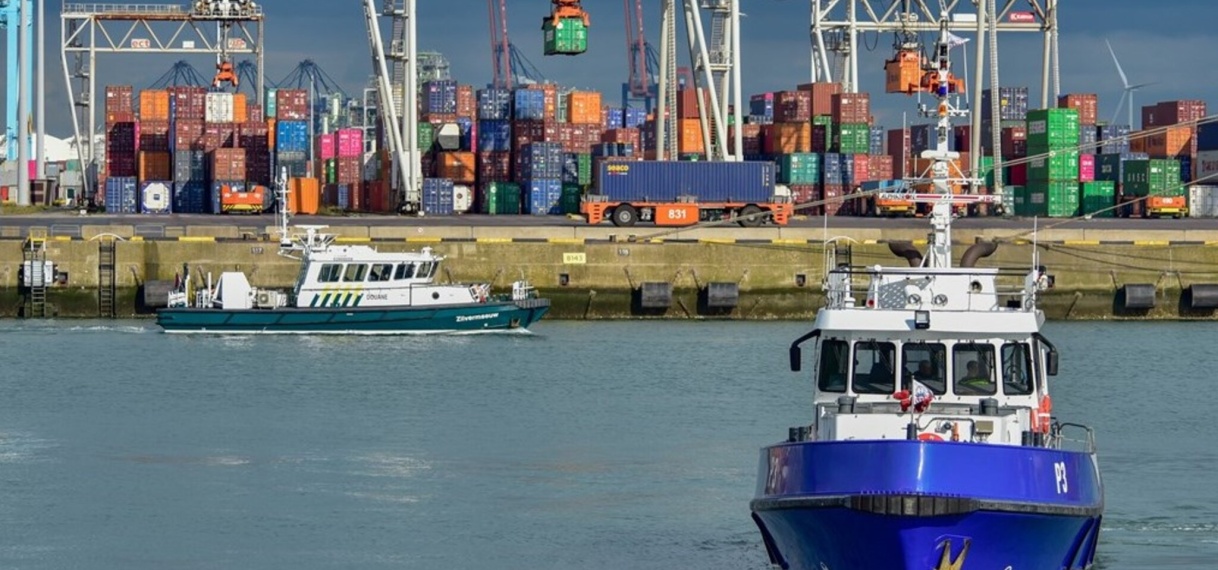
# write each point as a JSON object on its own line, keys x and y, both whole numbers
{"x": 1172, "y": 47}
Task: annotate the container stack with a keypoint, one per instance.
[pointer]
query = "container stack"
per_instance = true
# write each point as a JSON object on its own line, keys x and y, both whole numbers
{"x": 494, "y": 160}
{"x": 191, "y": 191}
{"x": 122, "y": 145}
{"x": 1053, "y": 181}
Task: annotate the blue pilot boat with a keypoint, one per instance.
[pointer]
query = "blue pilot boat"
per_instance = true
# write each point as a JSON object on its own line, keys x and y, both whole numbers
{"x": 932, "y": 444}
{"x": 349, "y": 289}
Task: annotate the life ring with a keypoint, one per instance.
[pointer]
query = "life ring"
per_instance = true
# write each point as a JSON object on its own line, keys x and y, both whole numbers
{"x": 928, "y": 436}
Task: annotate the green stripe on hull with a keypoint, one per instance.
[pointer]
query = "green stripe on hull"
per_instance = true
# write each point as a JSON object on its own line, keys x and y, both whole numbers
{"x": 455, "y": 319}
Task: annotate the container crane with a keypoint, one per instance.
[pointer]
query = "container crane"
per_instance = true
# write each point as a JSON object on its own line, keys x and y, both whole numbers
{"x": 223, "y": 11}
{"x": 182, "y": 73}
{"x": 508, "y": 62}
{"x": 566, "y": 28}
{"x": 643, "y": 59}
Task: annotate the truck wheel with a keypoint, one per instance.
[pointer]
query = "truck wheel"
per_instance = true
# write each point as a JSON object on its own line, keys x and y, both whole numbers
{"x": 748, "y": 211}
{"x": 625, "y": 216}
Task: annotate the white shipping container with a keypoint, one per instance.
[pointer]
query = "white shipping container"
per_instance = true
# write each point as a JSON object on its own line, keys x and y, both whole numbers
{"x": 219, "y": 108}
{"x": 463, "y": 199}
{"x": 1205, "y": 164}
{"x": 1203, "y": 201}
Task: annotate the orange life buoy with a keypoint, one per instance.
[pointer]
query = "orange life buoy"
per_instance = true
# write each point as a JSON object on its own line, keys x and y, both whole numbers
{"x": 1044, "y": 414}
{"x": 929, "y": 437}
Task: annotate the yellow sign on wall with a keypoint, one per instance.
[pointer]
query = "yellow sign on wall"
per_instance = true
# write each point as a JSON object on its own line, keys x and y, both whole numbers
{"x": 574, "y": 258}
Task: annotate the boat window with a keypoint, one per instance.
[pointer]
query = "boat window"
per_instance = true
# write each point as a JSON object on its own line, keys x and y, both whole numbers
{"x": 355, "y": 272}
{"x": 875, "y": 367}
{"x": 926, "y": 363}
{"x": 425, "y": 270}
{"x": 329, "y": 273}
{"x": 380, "y": 272}
{"x": 973, "y": 369}
{"x": 404, "y": 271}
{"x": 834, "y": 359}
{"x": 1016, "y": 369}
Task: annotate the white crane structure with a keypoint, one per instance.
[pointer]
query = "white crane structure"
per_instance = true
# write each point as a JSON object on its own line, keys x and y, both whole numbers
{"x": 399, "y": 90}
{"x": 716, "y": 68}
{"x": 837, "y": 24}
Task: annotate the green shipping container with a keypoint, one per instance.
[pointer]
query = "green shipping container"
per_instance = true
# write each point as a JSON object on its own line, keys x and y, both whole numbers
{"x": 1096, "y": 196}
{"x": 799, "y": 168}
{"x": 499, "y": 198}
{"x": 569, "y": 37}
{"x": 427, "y": 136}
{"x": 1062, "y": 166}
{"x": 1158, "y": 176}
{"x": 571, "y": 196}
{"x": 1052, "y": 128}
{"x": 585, "y": 170}
{"x": 331, "y": 171}
{"x": 1053, "y": 199}
{"x": 852, "y": 138}
{"x": 985, "y": 165}
{"x": 823, "y": 120}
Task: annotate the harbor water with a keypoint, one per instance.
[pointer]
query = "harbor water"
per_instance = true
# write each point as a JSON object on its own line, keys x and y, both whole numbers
{"x": 584, "y": 445}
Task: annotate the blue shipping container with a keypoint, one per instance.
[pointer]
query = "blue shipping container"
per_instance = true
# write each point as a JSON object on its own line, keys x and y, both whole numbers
{"x": 156, "y": 197}
{"x": 1088, "y": 135}
{"x": 542, "y": 197}
{"x": 1186, "y": 168}
{"x": 469, "y": 133}
{"x": 292, "y": 136}
{"x": 1114, "y": 139}
{"x": 613, "y": 149}
{"x": 189, "y": 165}
{"x": 762, "y": 106}
{"x": 440, "y": 96}
{"x": 1207, "y": 136}
{"x": 495, "y": 135}
{"x": 297, "y": 167}
{"x": 121, "y": 195}
{"x": 218, "y": 188}
{"x": 878, "y": 136}
{"x": 494, "y": 104}
{"x": 748, "y": 182}
{"x": 615, "y": 118}
{"x": 541, "y": 160}
{"x": 530, "y": 104}
{"x": 343, "y": 196}
{"x": 190, "y": 197}
{"x": 926, "y": 137}
{"x": 1012, "y": 104}
{"x": 438, "y": 196}
{"x": 634, "y": 118}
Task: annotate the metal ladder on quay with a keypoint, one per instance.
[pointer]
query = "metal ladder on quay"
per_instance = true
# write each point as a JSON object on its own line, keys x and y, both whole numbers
{"x": 35, "y": 258}
{"x": 106, "y": 278}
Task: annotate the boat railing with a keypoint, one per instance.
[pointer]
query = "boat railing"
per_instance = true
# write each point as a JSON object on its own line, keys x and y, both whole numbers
{"x": 1073, "y": 437}
{"x": 843, "y": 285}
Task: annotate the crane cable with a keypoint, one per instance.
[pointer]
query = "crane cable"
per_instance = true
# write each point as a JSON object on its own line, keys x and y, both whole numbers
{"x": 1025, "y": 160}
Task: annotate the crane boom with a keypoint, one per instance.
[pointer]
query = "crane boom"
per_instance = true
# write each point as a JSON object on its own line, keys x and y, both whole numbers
{"x": 405, "y": 161}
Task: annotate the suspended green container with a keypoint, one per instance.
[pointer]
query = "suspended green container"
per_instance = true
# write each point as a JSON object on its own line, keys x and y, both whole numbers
{"x": 1061, "y": 167}
{"x": 852, "y": 138}
{"x": 568, "y": 37}
{"x": 1052, "y": 128}
{"x": 427, "y": 136}
{"x": 572, "y": 194}
{"x": 585, "y": 169}
{"x": 799, "y": 168}
{"x": 1096, "y": 196}
{"x": 501, "y": 198}
{"x": 1158, "y": 176}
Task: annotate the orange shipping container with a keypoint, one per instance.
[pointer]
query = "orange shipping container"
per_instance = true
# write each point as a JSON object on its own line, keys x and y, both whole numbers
{"x": 1137, "y": 141}
{"x": 240, "y": 108}
{"x": 690, "y": 138}
{"x": 155, "y": 165}
{"x": 304, "y": 195}
{"x": 1088, "y": 105}
{"x": 787, "y": 138}
{"x": 1170, "y": 143}
{"x": 461, "y": 167}
{"x": 154, "y": 105}
{"x": 270, "y": 134}
{"x": 584, "y": 107}
{"x": 903, "y": 73}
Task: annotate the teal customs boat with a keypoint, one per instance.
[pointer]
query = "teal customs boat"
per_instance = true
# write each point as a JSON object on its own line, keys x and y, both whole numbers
{"x": 350, "y": 289}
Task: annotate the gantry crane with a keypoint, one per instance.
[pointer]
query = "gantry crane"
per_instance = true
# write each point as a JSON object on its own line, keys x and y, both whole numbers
{"x": 643, "y": 59}
{"x": 509, "y": 65}
{"x": 402, "y": 135}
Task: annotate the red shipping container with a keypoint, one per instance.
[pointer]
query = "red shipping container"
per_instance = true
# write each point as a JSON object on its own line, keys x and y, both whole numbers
{"x": 349, "y": 169}
{"x": 1018, "y": 174}
{"x": 254, "y": 135}
{"x": 862, "y": 168}
{"x": 187, "y": 135}
{"x": 256, "y": 115}
{"x": 687, "y": 104}
{"x": 292, "y": 105}
{"x": 325, "y": 146}
{"x": 438, "y": 118}
{"x": 834, "y": 205}
{"x": 467, "y": 103}
{"x": 822, "y": 96}
{"x": 804, "y": 193}
{"x": 1086, "y": 168}
{"x": 127, "y": 117}
{"x": 1167, "y": 113}
{"x": 154, "y": 136}
{"x": 1014, "y": 142}
{"x": 1172, "y": 142}
{"x": 624, "y": 136}
{"x": 792, "y": 106}
{"x": 188, "y": 102}
{"x": 851, "y": 108}
{"x": 880, "y": 168}
{"x": 219, "y": 135}
{"x": 227, "y": 164}
{"x": 750, "y": 138}
{"x": 494, "y": 166}
{"x": 822, "y": 137}
{"x": 525, "y": 132}
{"x": 120, "y": 102}
{"x": 1088, "y": 105}
{"x": 349, "y": 142}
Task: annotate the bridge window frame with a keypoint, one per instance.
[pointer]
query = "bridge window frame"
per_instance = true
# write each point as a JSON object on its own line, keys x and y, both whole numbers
{"x": 833, "y": 366}
{"x": 985, "y": 356}
{"x": 355, "y": 272}
{"x": 330, "y": 273}
{"x": 879, "y": 352}
{"x": 1017, "y": 360}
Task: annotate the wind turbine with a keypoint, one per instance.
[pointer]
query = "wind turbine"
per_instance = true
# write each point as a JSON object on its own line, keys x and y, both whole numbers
{"x": 1129, "y": 89}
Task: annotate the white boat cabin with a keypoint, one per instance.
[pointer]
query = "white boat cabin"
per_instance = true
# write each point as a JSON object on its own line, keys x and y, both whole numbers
{"x": 360, "y": 276}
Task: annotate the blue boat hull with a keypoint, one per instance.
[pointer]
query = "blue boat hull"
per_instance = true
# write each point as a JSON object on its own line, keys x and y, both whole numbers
{"x": 928, "y": 506}
{"x": 488, "y": 317}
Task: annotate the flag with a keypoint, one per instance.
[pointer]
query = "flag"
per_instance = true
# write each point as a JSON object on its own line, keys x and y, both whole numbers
{"x": 955, "y": 41}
